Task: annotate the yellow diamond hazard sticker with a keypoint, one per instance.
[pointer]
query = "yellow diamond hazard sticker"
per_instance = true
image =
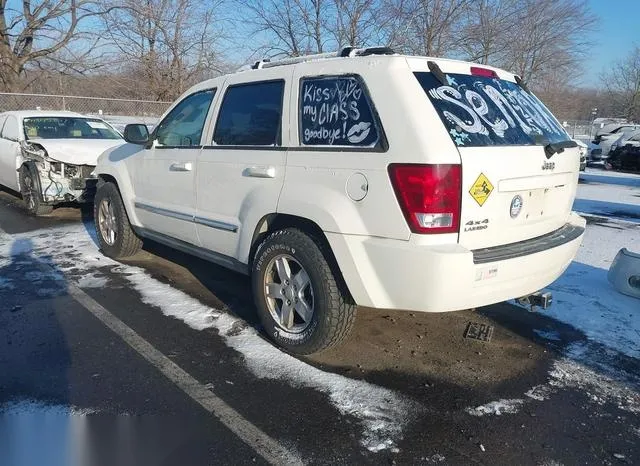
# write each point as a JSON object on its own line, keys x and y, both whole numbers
{"x": 481, "y": 189}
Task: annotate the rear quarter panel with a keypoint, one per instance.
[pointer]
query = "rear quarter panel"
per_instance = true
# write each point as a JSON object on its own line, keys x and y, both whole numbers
{"x": 317, "y": 177}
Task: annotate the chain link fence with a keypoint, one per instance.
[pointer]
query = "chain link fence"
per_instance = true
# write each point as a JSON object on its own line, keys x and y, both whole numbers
{"x": 144, "y": 111}
{"x": 580, "y": 129}
{"x": 122, "y": 111}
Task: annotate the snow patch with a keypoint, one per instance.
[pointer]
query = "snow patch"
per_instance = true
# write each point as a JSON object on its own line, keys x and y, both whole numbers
{"x": 6, "y": 284}
{"x": 434, "y": 459}
{"x": 539, "y": 392}
{"x": 497, "y": 408}
{"x": 92, "y": 281}
{"x": 32, "y": 407}
{"x": 569, "y": 373}
{"x": 551, "y": 335}
{"x": 382, "y": 412}
{"x": 584, "y": 299}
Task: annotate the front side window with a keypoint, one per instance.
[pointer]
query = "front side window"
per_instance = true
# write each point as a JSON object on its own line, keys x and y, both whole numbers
{"x": 10, "y": 129}
{"x": 3, "y": 118}
{"x": 335, "y": 111}
{"x": 251, "y": 115}
{"x": 68, "y": 128}
{"x": 184, "y": 124}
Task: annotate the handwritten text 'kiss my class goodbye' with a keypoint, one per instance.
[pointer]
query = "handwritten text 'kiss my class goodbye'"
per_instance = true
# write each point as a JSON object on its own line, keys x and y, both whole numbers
{"x": 329, "y": 109}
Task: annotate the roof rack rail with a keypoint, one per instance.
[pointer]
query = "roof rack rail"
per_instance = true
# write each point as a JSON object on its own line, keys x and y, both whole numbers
{"x": 345, "y": 52}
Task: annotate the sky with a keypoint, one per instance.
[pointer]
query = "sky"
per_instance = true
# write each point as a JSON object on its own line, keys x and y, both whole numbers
{"x": 618, "y": 29}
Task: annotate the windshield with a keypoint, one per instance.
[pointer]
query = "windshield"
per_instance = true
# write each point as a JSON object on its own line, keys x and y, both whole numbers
{"x": 484, "y": 111}
{"x": 68, "y": 128}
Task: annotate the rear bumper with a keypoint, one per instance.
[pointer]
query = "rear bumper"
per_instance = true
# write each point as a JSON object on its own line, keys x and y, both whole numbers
{"x": 393, "y": 274}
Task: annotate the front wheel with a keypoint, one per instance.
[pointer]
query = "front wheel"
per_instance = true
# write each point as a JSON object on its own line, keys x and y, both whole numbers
{"x": 30, "y": 190}
{"x": 303, "y": 305}
{"x": 115, "y": 235}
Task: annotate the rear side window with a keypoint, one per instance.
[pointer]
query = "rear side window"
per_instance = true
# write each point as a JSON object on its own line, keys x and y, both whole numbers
{"x": 336, "y": 111}
{"x": 485, "y": 111}
{"x": 251, "y": 115}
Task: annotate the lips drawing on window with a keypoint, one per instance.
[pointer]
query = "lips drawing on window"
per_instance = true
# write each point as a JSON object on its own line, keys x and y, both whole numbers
{"x": 359, "y": 132}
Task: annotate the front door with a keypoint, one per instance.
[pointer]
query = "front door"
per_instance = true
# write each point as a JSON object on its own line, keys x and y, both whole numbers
{"x": 9, "y": 151}
{"x": 164, "y": 179}
{"x": 241, "y": 170}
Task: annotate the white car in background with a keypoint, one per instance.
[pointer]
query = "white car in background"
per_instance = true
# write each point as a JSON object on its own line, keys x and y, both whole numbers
{"x": 49, "y": 157}
{"x": 583, "y": 150}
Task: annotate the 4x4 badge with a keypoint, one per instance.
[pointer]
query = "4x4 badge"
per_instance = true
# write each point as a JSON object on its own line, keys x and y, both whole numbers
{"x": 481, "y": 189}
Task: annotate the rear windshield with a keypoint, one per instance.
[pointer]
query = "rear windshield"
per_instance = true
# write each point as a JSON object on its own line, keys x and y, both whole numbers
{"x": 484, "y": 111}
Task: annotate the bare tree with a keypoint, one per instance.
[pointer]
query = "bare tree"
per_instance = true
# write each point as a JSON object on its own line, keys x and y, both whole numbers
{"x": 357, "y": 22}
{"x": 622, "y": 82}
{"x": 549, "y": 35}
{"x": 487, "y": 27}
{"x": 290, "y": 27}
{"x": 43, "y": 33}
{"x": 426, "y": 27}
{"x": 164, "y": 44}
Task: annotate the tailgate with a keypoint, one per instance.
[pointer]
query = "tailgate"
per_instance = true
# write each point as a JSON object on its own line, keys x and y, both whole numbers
{"x": 511, "y": 193}
{"x": 519, "y": 166}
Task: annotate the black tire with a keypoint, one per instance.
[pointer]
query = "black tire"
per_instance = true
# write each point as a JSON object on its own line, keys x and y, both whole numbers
{"x": 31, "y": 192}
{"x": 126, "y": 243}
{"x": 334, "y": 311}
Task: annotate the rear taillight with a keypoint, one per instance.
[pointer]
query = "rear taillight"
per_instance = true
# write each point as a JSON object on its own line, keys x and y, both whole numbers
{"x": 429, "y": 196}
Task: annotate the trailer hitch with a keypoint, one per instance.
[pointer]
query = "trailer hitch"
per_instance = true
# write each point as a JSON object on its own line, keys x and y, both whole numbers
{"x": 535, "y": 300}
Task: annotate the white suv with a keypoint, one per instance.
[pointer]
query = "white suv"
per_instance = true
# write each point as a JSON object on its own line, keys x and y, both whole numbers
{"x": 358, "y": 178}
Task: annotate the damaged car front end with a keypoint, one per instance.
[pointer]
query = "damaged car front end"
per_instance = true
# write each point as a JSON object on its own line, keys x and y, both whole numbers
{"x": 59, "y": 181}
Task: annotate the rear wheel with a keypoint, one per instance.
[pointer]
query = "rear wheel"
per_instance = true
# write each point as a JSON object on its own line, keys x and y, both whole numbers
{"x": 115, "y": 235}
{"x": 303, "y": 305}
{"x": 30, "y": 190}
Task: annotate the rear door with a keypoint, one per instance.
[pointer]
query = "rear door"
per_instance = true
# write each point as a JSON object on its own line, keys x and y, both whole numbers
{"x": 241, "y": 169}
{"x": 512, "y": 191}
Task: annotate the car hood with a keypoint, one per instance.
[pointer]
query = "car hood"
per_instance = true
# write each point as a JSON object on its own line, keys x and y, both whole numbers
{"x": 76, "y": 151}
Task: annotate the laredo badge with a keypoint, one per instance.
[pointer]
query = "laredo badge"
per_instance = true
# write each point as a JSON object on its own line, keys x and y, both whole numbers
{"x": 481, "y": 189}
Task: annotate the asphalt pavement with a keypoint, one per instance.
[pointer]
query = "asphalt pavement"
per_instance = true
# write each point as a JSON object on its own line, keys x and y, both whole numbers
{"x": 160, "y": 360}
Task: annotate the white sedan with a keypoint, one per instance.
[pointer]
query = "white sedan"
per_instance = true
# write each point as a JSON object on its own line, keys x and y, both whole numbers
{"x": 49, "y": 156}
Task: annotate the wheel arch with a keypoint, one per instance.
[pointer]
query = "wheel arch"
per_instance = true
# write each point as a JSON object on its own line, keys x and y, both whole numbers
{"x": 126, "y": 193}
{"x": 35, "y": 173}
{"x": 278, "y": 221}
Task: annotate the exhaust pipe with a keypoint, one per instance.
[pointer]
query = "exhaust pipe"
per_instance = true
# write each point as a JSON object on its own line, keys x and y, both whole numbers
{"x": 535, "y": 300}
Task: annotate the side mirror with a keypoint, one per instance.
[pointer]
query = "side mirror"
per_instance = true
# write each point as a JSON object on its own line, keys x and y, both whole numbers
{"x": 136, "y": 134}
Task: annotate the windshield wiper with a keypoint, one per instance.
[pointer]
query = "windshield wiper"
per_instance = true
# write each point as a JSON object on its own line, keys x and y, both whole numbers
{"x": 437, "y": 73}
{"x": 553, "y": 148}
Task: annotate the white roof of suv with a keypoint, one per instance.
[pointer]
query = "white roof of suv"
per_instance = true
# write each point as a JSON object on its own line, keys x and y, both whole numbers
{"x": 350, "y": 53}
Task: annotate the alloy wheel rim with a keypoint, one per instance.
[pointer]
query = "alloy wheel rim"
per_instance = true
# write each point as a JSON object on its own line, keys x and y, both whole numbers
{"x": 107, "y": 222}
{"x": 289, "y": 294}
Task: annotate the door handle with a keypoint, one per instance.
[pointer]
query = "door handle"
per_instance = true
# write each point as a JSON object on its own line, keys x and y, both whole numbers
{"x": 260, "y": 172}
{"x": 181, "y": 167}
